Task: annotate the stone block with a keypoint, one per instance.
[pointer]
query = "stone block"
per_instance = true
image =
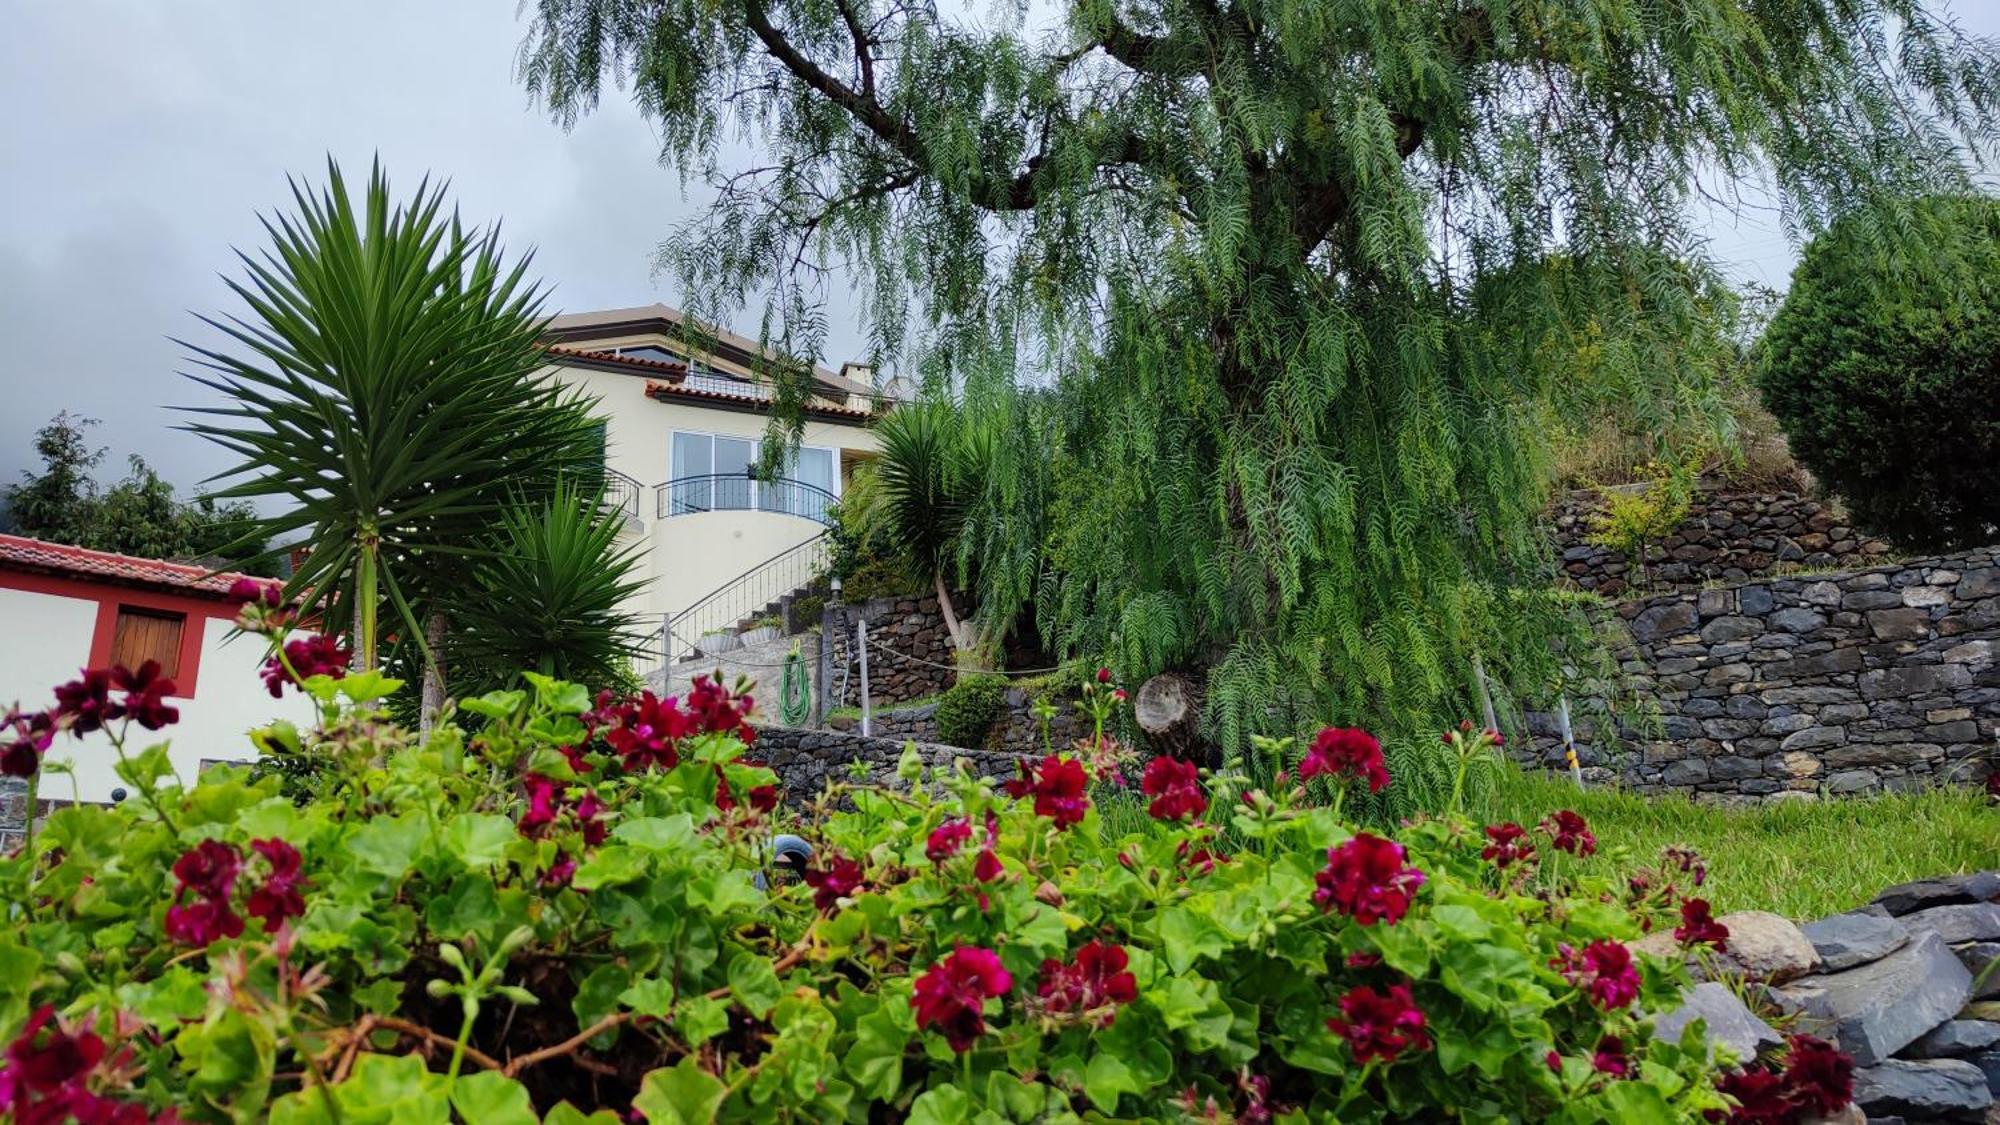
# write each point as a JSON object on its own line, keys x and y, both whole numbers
{"x": 1746, "y": 707}
{"x": 1903, "y": 683}
{"x": 1978, "y": 584}
{"x": 1812, "y": 738}
{"x": 1977, "y": 654}
{"x": 1900, "y": 624}
{"x": 1766, "y": 948}
{"x": 1812, "y": 696}
{"x": 1949, "y": 890}
{"x": 1958, "y": 923}
{"x": 1796, "y": 620}
{"x": 1715, "y": 603}
{"x": 1687, "y": 771}
{"x": 1788, "y": 724}
{"x": 1955, "y": 1039}
{"x": 1754, "y": 601}
{"x": 1926, "y": 1089}
{"x": 1730, "y": 674}
{"x": 1925, "y": 597}
{"x": 1796, "y": 764}
{"x": 1668, "y": 620}
{"x": 1729, "y": 728}
{"x": 1724, "y": 629}
{"x": 1874, "y": 1010}
{"x": 1871, "y": 599}
{"x": 1879, "y": 754}
{"x": 1852, "y": 781}
{"x": 1725, "y": 1018}
{"x": 1820, "y": 593}
{"x": 1734, "y": 767}
{"x": 1982, "y": 960}
{"x": 1846, "y": 940}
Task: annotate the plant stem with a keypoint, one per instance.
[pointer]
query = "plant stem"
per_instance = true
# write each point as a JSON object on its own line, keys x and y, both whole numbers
{"x": 145, "y": 788}
{"x": 365, "y": 595}
{"x": 464, "y": 1036}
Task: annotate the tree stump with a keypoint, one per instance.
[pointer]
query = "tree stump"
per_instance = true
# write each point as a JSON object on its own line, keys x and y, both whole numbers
{"x": 1168, "y": 710}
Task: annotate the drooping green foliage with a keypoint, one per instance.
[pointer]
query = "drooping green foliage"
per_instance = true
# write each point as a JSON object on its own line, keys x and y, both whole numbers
{"x": 1303, "y": 273}
{"x": 383, "y": 394}
{"x": 930, "y": 466}
{"x": 1885, "y": 372}
{"x": 138, "y": 515}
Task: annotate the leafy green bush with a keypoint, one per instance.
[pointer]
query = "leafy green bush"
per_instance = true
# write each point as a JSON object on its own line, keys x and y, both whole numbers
{"x": 968, "y": 708}
{"x": 563, "y": 919}
{"x": 1884, "y": 369}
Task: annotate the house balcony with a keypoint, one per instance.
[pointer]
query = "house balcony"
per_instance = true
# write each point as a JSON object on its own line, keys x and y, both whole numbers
{"x": 739, "y": 492}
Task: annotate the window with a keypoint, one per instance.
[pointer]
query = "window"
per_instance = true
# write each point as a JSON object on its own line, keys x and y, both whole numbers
{"x": 148, "y": 634}
{"x": 712, "y": 473}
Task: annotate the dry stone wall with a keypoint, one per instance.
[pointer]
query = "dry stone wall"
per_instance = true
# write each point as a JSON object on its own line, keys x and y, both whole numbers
{"x": 910, "y": 653}
{"x": 1017, "y": 730}
{"x": 1824, "y": 685}
{"x": 805, "y": 760}
{"x": 1729, "y": 535}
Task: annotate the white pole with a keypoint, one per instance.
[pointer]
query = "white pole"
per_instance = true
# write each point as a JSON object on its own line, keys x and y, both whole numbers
{"x": 861, "y": 644}
{"x": 1569, "y": 739}
{"x": 666, "y": 642}
{"x": 1485, "y": 693}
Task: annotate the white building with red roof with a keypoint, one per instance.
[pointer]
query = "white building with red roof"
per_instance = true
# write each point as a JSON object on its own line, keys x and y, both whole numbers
{"x": 684, "y": 424}
{"x": 64, "y": 609}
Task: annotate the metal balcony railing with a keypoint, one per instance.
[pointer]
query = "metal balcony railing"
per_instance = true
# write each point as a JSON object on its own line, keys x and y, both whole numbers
{"x": 740, "y": 492}
{"x": 621, "y": 493}
{"x": 756, "y": 591}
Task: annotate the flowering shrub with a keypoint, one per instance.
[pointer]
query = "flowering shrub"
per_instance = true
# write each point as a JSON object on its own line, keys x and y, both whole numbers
{"x": 572, "y": 916}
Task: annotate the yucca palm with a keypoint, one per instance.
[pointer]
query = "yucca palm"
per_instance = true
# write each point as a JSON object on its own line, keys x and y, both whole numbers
{"x": 550, "y": 596}
{"x": 383, "y": 396}
{"x": 925, "y": 472}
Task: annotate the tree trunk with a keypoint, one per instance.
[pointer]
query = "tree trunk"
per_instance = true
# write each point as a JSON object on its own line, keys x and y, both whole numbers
{"x": 963, "y": 637}
{"x": 433, "y": 701}
{"x": 1168, "y": 710}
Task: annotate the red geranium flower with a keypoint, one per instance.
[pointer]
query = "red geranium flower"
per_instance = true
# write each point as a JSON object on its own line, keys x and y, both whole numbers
{"x": 947, "y": 838}
{"x": 541, "y": 810}
{"x": 262, "y": 591}
{"x": 1366, "y": 879}
{"x": 1697, "y": 928}
{"x": 1509, "y": 844}
{"x": 1687, "y": 859}
{"x": 647, "y": 731}
{"x": 1603, "y": 970}
{"x": 1346, "y": 752}
{"x": 1197, "y": 861}
{"x": 1096, "y": 981}
{"x": 208, "y": 872}
{"x": 202, "y": 922}
{"x": 839, "y": 879}
{"x": 146, "y": 694}
{"x": 279, "y": 897}
{"x": 208, "y": 869}
{"x": 952, "y": 995}
{"x": 1104, "y": 675}
{"x": 1380, "y": 1025}
{"x": 561, "y": 871}
{"x": 1058, "y": 785}
{"x": 317, "y": 655}
{"x": 1610, "y": 1058}
{"x": 1175, "y": 787}
{"x": 1760, "y": 1098}
{"x": 45, "y": 1064}
{"x": 24, "y": 739}
{"x": 987, "y": 867}
{"x": 717, "y": 711}
{"x": 1819, "y": 1077}
{"x": 84, "y": 704}
{"x": 1569, "y": 833}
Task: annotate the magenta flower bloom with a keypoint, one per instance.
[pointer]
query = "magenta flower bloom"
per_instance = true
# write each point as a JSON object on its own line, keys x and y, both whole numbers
{"x": 84, "y": 704}
{"x": 1346, "y": 752}
{"x": 1175, "y": 787}
{"x": 1507, "y": 844}
{"x": 24, "y": 739}
{"x": 1697, "y": 928}
{"x": 1380, "y": 1025}
{"x": 1569, "y": 833}
{"x": 1095, "y": 982}
{"x": 146, "y": 693}
{"x": 1610, "y": 1058}
{"x": 317, "y": 655}
{"x": 1058, "y": 786}
{"x": 280, "y": 897}
{"x": 839, "y": 879}
{"x": 207, "y": 873}
{"x": 947, "y": 838}
{"x": 1366, "y": 879}
{"x": 1603, "y": 970}
{"x": 952, "y": 995}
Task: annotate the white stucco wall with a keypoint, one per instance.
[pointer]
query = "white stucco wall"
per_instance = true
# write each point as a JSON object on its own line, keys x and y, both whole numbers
{"x": 45, "y": 640}
{"x": 686, "y": 557}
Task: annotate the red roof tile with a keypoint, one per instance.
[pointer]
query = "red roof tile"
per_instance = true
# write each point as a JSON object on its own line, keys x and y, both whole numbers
{"x": 18, "y": 552}
{"x": 658, "y": 390}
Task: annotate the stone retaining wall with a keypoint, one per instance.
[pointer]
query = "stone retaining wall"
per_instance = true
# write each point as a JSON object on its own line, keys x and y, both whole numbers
{"x": 1729, "y": 535}
{"x": 805, "y": 760}
{"x": 1840, "y": 683}
{"x": 1017, "y": 730}
{"x": 13, "y": 811}
{"x": 910, "y": 655}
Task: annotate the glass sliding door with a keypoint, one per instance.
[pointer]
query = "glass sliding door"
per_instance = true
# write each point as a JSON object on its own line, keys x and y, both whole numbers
{"x": 734, "y": 490}
{"x": 815, "y": 474}
{"x": 692, "y": 489}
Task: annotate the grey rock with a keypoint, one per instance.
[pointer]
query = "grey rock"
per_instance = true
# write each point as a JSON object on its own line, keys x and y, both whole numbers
{"x": 1754, "y": 601}
{"x": 1877, "y": 1009}
{"x": 1846, "y": 940}
{"x": 1727, "y": 1020}
{"x": 1982, "y": 960}
{"x": 1821, "y": 593}
{"x": 1796, "y": 620}
{"x": 1955, "y": 1039}
{"x": 1871, "y": 599}
{"x": 1926, "y": 1088}
{"x": 1903, "y": 898}
{"x": 1666, "y": 620}
{"x": 1813, "y": 738}
{"x": 1979, "y": 583}
{"x": 1900, "y": 624}
{"x": 1923, "y": 679}
{"x": 1724, "y": 629}
{"x": 1852, "y": 781}
{"x": 1766, "y": 947}
{"x": 1960, "y": 923}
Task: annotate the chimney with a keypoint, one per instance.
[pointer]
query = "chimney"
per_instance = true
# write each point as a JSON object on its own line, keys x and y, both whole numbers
{"x": 859, "y": 372}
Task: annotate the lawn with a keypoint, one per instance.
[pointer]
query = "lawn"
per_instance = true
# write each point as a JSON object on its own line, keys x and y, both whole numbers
{"x": 1804, "y": 860}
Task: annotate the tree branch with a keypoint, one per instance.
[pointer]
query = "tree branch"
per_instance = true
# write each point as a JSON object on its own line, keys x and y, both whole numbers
{"x": 864, "y": 44}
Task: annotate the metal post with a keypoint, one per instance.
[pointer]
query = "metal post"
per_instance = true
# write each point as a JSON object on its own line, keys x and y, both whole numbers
{"x": 666, "y": 643}
{"x": 1485, "y": 694}
{"x": 1569, "y": 739}
{"x": 861, "y": 647}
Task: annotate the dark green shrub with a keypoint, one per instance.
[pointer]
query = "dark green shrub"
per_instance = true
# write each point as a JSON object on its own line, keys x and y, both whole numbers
{"x": 968, "y": 710}
{"x": 1883, "y": 365}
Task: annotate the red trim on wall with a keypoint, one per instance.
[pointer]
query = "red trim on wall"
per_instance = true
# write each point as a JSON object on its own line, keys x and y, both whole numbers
{"x": 109, "y": 596}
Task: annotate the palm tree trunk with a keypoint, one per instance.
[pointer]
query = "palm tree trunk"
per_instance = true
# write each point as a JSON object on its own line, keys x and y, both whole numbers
{"x": 365, "y": 596}
{"x": 433, "y": 701}
{"x": 961, "y": 632}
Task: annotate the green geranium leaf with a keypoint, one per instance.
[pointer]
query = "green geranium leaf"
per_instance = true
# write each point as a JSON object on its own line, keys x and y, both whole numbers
{"x": 490, "y": 1098}
{"x": 479, "y": 840}
{"x": 145, "y": 769}
{"x": 940, "y": 1105}
{"x": 657, "y": 833}
{"x": 609, "y": 867}
{"x": 700, "y": 1019}
{"x": 683, "y": 1094}
{"x": 1106, "y": 1077}
{"x": 390, "y": 845}
{"x": 754, "y": 983}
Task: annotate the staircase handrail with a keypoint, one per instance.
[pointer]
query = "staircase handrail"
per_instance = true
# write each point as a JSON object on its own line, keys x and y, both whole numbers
{"x": 677, "y": 625}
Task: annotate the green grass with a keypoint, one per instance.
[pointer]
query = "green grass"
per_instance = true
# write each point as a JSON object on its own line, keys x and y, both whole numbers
{"x": 884, "y": 708}
{"x": 1803, "y": 860}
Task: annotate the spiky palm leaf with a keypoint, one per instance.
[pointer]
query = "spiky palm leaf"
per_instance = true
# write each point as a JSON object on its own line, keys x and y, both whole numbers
{"x": 919, "y": 471}
{"x": 551, "y": 596}
{"x": 383, "y": 390}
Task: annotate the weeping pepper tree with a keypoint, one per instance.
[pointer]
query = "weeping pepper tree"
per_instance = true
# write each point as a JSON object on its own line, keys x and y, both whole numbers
{"x": 383, "y": 392}
{"x": 1247, "y": 239}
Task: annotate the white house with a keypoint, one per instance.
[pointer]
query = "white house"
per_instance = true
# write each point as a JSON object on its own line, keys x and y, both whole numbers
{"x": 64, "y": 609}
{"x": 682, "y": 439}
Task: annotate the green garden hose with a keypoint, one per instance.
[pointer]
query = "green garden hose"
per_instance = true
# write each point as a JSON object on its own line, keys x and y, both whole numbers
{"x": 795, "y": 696}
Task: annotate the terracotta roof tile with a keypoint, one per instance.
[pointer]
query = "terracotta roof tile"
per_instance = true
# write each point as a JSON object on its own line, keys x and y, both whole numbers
{"x": 660, "y": 390}
{"x": 18, "y": 552}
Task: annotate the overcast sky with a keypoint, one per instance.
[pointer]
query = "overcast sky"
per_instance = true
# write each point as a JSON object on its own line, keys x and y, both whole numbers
{"x": 144, "y": 138}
